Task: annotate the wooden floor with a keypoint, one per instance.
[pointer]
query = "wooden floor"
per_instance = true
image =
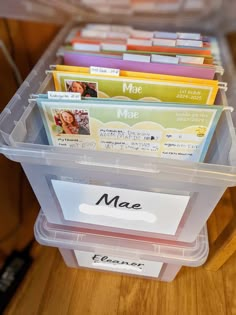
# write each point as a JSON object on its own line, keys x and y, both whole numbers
{"x": 51, "y": 288}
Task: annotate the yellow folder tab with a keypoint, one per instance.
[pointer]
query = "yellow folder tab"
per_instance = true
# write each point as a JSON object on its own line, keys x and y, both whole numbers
{"x": 160, "y": 89}
{"x": 141, "y": 75}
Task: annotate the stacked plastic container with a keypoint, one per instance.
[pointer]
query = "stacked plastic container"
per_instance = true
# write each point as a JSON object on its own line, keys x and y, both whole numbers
{"x": 160, "y": 259}
{"x": 177, "y": 197}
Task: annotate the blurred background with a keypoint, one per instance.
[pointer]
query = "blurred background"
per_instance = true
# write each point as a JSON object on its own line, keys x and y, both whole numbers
{"x": 24, "y": 42}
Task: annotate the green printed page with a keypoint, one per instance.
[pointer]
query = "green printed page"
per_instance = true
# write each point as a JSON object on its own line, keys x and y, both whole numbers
{"x": 171, "y": 131}
{"x": 135, "y": 88}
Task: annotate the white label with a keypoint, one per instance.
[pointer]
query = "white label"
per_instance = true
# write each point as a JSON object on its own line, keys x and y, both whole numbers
{"x": 93, "y": 33}
{"x": 97, "y": 260}
{"x": 189, "y": 59}
{"x": 113, "y": 47}
{"x": 109, "y": 27}
{"x": 120, "y": 208}
{"x": 139, "y": 42}
{"x": 189, "y": 43}
{"x": 141, "y": 34}
{"x": 167, "y": 35}
{"x": 164, "y": 59}
{"x": 164, "y": 42}
{"x": 133, "y": 57}
{"x": 105, "y": 71}
{"x": 63, "y": 95}
{"x": 88, "y": 47}
{"x": 118, "y": 35}
{"x": 98, "y": 27}
{"x": 195, "y": 36}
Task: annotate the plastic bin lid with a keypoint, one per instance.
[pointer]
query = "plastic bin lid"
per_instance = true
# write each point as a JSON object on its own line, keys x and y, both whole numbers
{"x": 193, "y": 14}
{"x": 186, "y": 254}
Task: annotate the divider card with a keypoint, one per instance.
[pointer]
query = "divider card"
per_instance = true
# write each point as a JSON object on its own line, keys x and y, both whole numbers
{"x": 136, "y": 88}
{"x": 117, "y": 51}
{"x": 102, "y": 39}
{"x": 86, "y": 60}
{"x": 171, "y": 131}
{"x": 177, "y": 50}
{"x": 133, "y": 74}
{"x": 118, "y": 48}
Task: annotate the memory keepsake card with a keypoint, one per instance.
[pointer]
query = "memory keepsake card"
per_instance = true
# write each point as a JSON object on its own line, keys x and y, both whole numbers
{"x": 131, "y": 88}
{"x": 171, "y": 131}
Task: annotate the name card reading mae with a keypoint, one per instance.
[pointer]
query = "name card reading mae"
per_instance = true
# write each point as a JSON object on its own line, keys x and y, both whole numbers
{"x": 118, "y": 264}
{"x": 120, "y": 208}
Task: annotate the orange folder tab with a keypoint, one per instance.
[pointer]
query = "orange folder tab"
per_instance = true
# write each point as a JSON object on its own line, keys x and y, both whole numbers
{"x": 169, "y": 49}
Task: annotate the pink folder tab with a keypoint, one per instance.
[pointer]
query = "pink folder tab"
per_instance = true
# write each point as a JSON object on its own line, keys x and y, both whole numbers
{"x": 191, "y": 71}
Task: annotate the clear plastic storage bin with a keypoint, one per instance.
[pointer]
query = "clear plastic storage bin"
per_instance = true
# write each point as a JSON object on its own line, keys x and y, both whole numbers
{"x": 160, "y": 260}
{"x": 181, "y": 195}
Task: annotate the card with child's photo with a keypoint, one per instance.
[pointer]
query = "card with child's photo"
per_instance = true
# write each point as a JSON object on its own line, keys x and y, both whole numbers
{"x": 71, "y": 121}
{"x": 170, "y": 131}
{"x": 157, "y": 89}
{"x": 86, "y": 89}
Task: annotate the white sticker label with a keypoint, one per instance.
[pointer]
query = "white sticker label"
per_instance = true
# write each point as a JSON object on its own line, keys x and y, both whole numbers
{"x": 98, "y": 27}
{"x": 190, "y": 59}
{"x": 120, "y": 208}
{"x": 109, "y": 27}
{"x": 134, "y": 57}
{"x": 166, "y": 35}
{"x": 189, "y": 43}
{"x": 93, "y": 33}
{"x": 105, "y": 71}
{"x": 139, "y": 42}
{"x": 63, "y": 95}
{"x": 113, "y": 47}
{"x": 141, "y": 34}
{"x": 88, "y": 47}
{"x": 97, "y": 260}
{"x": 164, "y": 59}
{"x": 164, "y": 42}
{"x": 195, "y": 36}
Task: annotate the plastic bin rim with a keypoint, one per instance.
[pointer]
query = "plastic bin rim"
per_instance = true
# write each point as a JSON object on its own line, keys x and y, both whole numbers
{"x": 199, "y": 250}
{"x": 153, "y": 165}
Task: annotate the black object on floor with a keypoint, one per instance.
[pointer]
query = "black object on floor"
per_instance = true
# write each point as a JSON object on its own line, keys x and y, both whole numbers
{"x": 12, "y": 273}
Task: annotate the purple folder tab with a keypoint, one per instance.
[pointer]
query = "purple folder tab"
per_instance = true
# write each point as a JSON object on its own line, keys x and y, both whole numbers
{"x": 191, "y": 71}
